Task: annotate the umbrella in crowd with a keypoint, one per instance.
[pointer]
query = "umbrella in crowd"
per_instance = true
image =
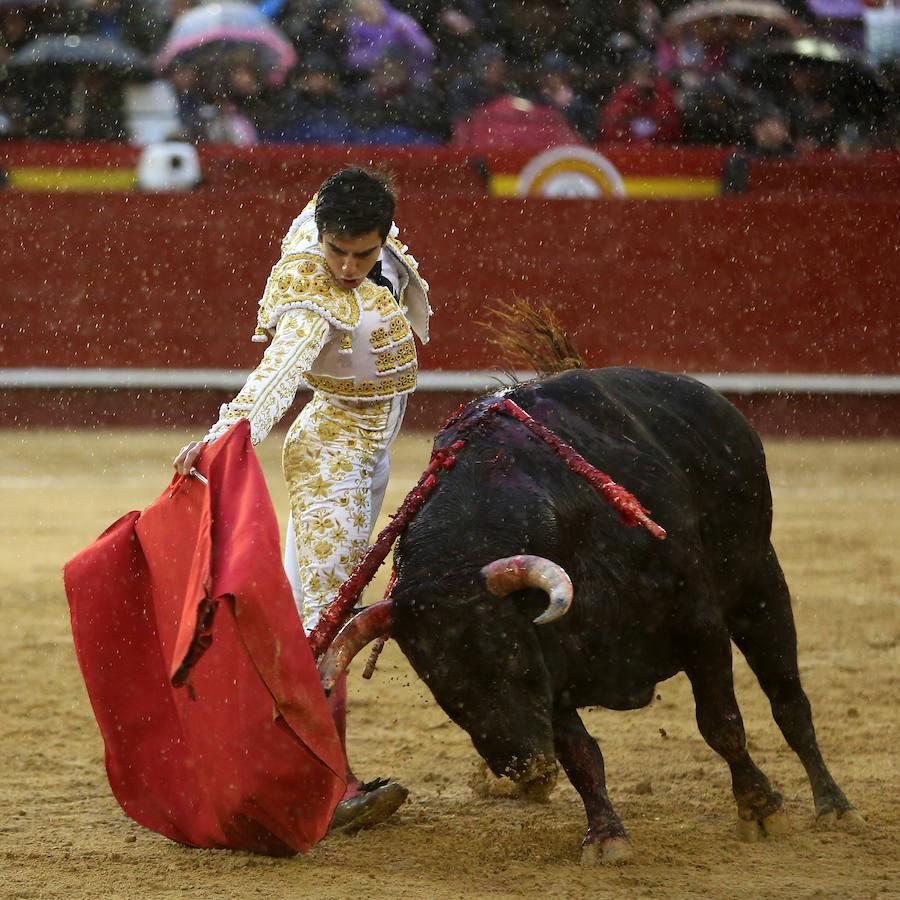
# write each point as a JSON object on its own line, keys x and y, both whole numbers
{"x": 762, "y": 10}
{"x": 79, "y": 52}
{"x": 818, "y": 51}
{"x": 845, "y": 74}
{"x": 70, "y": 86}
{"x": 200, "y": 34}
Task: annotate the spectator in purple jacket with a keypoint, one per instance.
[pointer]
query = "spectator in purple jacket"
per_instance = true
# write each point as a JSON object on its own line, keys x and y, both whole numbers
{"x": 374, "y": 27}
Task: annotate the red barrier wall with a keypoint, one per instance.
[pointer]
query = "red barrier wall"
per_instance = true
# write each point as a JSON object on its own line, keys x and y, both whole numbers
{"x": 448, "y": 171}
{"x": 731, "y": 285}
{"x": 782, "y": 283}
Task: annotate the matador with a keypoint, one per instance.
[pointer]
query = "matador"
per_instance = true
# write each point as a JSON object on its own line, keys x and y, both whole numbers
{"x": 340, "y": 309}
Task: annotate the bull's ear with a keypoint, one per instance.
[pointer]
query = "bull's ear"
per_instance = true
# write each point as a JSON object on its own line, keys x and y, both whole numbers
{"x": 513, "y": 573}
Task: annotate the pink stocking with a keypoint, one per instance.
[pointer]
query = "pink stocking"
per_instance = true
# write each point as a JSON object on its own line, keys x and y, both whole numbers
{"x": 337, "y": 701}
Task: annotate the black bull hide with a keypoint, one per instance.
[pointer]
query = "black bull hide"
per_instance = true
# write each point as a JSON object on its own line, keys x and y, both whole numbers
{"x": 644, "y": 609}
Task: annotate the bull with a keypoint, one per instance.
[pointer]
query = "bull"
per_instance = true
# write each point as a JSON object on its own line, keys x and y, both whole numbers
{"x": 510, "y": 524}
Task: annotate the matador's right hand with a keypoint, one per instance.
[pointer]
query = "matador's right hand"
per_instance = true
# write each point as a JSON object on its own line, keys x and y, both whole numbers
{"x": 185, "y": 460}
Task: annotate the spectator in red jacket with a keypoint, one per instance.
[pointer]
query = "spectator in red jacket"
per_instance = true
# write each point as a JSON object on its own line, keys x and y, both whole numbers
{"x": 641, "y": 109}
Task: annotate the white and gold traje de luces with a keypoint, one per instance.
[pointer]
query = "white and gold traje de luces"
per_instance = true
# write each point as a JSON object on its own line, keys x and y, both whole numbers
{"x": 371, "y": 353}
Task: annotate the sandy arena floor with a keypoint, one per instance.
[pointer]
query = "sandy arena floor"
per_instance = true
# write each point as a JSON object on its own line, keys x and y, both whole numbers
{"x": 62, "y": 834}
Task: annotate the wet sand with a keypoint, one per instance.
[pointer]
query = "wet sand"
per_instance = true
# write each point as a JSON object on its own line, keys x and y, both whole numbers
{"x": 837, "y": 517}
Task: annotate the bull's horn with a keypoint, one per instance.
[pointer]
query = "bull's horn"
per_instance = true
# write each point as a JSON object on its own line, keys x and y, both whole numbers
{"x": 373, "y": 622}
{"x": 503, "y": 576}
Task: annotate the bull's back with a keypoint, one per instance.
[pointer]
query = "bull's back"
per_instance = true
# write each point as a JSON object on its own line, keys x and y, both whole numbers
{"x": 681, "y": 447}
{"x": 647, "y": 403}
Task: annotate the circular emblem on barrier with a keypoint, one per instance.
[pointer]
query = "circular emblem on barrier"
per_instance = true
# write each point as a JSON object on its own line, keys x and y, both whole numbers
{"x": 570, "y": 171}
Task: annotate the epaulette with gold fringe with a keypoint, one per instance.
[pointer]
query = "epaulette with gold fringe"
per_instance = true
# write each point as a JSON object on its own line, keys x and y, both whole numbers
{"x": 302, "y": 281}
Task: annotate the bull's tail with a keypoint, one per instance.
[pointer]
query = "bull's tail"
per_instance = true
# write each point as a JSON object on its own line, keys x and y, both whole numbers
{"x": 528, "y": 335}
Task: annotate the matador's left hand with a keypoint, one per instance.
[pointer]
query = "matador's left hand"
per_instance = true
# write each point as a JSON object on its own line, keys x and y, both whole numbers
{"x": 189, "y": 454}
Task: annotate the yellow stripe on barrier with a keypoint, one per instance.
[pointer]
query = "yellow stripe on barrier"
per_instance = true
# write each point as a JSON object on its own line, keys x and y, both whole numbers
{"x": 86, "y": 180}
{"x": 648, "y": 188}
{"x": 501, "y": 185}
{"x": 504, "y": 185}
{"x": 669, "y": 188}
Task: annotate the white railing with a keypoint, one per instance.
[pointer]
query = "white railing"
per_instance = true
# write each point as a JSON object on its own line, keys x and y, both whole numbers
{"x": 429, "y": 380}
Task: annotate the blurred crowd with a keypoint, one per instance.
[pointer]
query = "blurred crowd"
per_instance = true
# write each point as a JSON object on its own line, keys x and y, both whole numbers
{"x": 773, "y": 79}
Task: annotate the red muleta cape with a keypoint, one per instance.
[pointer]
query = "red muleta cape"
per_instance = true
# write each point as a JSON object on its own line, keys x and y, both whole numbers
{"x": 243, "y": 753}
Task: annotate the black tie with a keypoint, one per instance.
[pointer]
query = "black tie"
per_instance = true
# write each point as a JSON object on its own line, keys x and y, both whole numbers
{"x": 379, "y": 279}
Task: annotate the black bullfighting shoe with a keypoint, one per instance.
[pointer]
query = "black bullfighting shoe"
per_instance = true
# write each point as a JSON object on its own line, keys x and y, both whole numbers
{"x": 375, "y": 802}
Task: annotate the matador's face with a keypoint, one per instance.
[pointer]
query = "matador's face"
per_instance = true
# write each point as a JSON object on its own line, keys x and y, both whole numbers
{"x": 350, "y": 259}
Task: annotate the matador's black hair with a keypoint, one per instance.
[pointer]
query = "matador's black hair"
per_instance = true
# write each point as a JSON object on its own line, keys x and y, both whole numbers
{"x": 355, "y": 201}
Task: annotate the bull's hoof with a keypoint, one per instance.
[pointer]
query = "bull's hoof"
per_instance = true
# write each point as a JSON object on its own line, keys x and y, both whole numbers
{"x": 845, "y": 819}
{"x": 368, "y": 808}
{"x": 775, "y": 825}
{"x": 538, "y": 790}
{"x": 612, "y": 851}
{"x": 488, "y": 786}
{"x": 535, "y": 786}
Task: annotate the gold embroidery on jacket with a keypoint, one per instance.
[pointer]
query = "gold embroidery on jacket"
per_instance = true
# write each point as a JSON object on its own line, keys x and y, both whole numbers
{"x": 379, "y": 339}
{"x": 398, "y": 358}
{"x": 303, "y": 281}
{"x": 398, "y": 328}
{"x": 402, "y": 383}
